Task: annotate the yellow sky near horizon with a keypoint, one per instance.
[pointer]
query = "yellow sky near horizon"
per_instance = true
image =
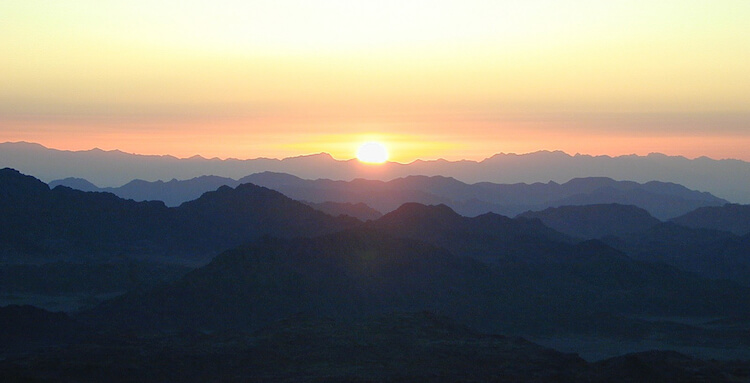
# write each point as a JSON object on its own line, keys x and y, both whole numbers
{"x": 450, "y": 79}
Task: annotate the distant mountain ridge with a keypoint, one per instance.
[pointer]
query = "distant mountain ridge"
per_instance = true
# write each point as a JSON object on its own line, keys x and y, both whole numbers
{"x": 726, "y": 179}
{"x": 172, "y": 193}
{"x": 663, "y": 200}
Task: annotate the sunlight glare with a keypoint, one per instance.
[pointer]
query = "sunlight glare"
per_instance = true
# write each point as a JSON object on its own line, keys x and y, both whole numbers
{"x": 372, "y": 153}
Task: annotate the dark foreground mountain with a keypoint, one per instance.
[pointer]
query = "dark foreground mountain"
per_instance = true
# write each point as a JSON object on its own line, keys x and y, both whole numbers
{"x": 396, "y": 347}
{"x": 359, "y": 273}
{"x": 228, "y": 217}
{"x": 730, "y": 217}
{"x": 489, "y": 237}
{"x": 66, "y": 249}
{"x": 669, "y": 366}
{"x": 595, "y": 221}
{"x": 402, "y": 347}
{"x": 62, "y": 223}
{"x": 724, "y": 178}
{"x": 26, "y": 328}
{"x": 344, "y": 275}
{"x": 78, "y": 278}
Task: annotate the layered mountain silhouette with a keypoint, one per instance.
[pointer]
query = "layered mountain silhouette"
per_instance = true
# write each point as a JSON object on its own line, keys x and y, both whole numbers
{"x": 357, "y": 273}
{"x": 172, "y": 193}
{"x": 711, "y": 253}
{"x": 63, "y": 223}
{"x": 663, "y": 200}
{"x": 345, "y": 275}
{"x": 489, "y": 237}
{"x": 340, "y": 295}
{"x": 727, "y": 179}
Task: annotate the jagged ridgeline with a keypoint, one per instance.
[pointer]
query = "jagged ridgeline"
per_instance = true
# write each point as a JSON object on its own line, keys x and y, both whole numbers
{"x": 661, "y": 199}
{"x": 726, "y": 179}
{"x": 63, "y": 223}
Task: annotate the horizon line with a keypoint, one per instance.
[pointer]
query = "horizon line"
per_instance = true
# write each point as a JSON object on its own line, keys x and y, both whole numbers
{"x": 323, "y": 153}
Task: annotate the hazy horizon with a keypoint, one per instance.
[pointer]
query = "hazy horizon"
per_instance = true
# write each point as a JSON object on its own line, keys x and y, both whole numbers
{"x": 726, "y": 179}
{"x": 354, "y": 157}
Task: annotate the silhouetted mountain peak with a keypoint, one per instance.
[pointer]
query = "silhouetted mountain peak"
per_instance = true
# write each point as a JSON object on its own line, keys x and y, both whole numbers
{"x": 67, "y": 223}
{"x": 15, "y": 185}
{"x": 595, "y": 221}
{"x": 248, "y": 199}
{"x": 417, "y": 211}
{"x": 255, "y": 190}
{"x": 74, "y": 183}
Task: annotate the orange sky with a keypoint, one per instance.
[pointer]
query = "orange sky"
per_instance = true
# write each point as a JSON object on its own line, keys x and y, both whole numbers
{"x": 439, "y": 79}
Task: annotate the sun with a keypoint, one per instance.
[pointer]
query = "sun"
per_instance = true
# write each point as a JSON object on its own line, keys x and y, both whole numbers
{"x": 372, "y": 153}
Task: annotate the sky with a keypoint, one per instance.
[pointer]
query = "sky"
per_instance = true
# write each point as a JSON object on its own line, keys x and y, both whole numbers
{"x": 430, "y": 79}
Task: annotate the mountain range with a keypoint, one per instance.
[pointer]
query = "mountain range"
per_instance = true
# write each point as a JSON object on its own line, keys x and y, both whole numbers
{"x": 663, "y": 200}
{"x": 358, "y": 273}
{"x": 62, "y": 224}
{"x": 727, "y": 179}
{"x": 696, "y": 247}
{"x": 595, "y": 221}
{"x": 66, "y": 224}
{"x": 258, "y": 257}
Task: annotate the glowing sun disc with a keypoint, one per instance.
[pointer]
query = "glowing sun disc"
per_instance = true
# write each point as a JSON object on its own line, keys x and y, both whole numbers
{"x": 372, "y": 153}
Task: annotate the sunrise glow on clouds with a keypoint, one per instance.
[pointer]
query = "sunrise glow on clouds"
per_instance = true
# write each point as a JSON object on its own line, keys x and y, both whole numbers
{"x": 451, "y": 79}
